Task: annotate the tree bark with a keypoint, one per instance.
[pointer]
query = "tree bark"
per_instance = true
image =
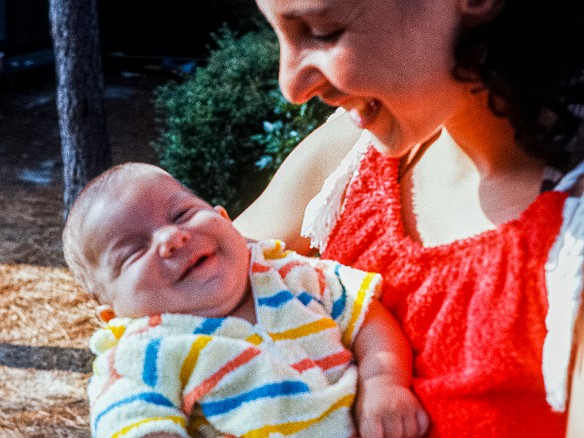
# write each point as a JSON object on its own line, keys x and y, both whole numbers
{"x": 80, "y": 94}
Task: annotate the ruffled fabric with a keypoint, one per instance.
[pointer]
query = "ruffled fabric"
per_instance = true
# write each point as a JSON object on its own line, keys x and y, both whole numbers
{"x": 324, "y": 209}
{"x": 564, "y": 272}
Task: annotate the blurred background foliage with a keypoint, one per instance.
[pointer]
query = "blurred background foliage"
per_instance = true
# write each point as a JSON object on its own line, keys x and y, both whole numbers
{"x": 225, "y": 130}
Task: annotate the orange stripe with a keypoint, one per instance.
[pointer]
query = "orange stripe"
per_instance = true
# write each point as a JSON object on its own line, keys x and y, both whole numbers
{"x": 325, "y": 363}
{"x": 155, "y": 320}
{"x": 258, "y": 268}
{"x": 334, "y": 360}
{"x": 113, "y": 374}
{"x": 321, "y": 281}
{"x": 285, "y": 270}
{"x": 209, "y": 383}
{"x": 304, "y": 365}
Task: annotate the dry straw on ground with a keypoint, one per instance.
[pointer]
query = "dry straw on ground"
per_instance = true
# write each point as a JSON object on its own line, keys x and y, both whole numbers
{"x": 39, "y": 308}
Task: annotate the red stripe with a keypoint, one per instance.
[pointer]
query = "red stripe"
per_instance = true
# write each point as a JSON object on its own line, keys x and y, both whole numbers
{"x": 321, "y": 280}
{"x": 304, "y": 365}
{"x": 334, "y": 360}
{"x": 113, "y": 374}
{"x": 155, "y": 320}
{"x": 285, "y": 270}
{"x": 208, "y": 384}
{"x": 257, "y": 267}
{"x": 326, "y": 363}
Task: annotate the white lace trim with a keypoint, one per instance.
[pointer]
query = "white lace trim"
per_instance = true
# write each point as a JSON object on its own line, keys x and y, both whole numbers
{"x": 323, "y": 211}
{"x": 564, "y": 279}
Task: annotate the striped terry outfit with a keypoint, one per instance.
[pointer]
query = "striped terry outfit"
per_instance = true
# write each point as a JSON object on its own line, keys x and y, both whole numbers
{"x": 291, "y": 374}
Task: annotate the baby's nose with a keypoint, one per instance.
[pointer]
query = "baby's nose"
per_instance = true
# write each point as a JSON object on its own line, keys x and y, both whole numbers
{"x": 171, "y": 240}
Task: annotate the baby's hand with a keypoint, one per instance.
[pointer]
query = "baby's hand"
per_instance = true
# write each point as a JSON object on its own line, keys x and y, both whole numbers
{"x": 387, "y": 410}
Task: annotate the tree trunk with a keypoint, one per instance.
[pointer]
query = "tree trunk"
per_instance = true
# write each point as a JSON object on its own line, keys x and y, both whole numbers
{"x": 80, "y": 94}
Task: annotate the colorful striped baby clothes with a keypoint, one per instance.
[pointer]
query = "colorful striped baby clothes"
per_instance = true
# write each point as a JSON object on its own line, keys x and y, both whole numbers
{"x": 291, "y": 374}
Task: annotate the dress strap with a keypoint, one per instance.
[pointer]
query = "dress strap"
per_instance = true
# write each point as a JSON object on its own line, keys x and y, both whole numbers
{"x": 323, "y": 211}
{"x": 564, "y": 272}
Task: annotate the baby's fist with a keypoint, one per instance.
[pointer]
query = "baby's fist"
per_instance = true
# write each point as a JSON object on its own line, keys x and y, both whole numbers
{"x": 387, "y": 410}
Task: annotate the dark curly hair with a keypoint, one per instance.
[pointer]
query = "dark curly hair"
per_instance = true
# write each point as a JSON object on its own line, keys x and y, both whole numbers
{"x": 530, "y": 60}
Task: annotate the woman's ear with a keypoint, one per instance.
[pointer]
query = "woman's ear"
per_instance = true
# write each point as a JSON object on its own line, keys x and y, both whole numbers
{"x": 475, "y": 12}
{"x": 221, "y": 210}
{"x": 105, "y": 313}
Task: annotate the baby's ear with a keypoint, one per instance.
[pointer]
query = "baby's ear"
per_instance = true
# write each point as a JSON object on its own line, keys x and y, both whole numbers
{"x": 105, "y": 313}
{"x": 221, "y": 210}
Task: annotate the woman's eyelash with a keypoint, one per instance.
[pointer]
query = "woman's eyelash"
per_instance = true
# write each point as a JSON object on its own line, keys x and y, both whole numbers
{"x": 328, "y": 37}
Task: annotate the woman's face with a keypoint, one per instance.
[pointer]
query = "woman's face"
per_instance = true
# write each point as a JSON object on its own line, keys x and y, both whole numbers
{"x": 388, "y": 62}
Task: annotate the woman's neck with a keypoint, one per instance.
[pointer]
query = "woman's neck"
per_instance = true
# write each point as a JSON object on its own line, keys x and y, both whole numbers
{"x": 488, "y": 140}
{"x": 473, "y": 178}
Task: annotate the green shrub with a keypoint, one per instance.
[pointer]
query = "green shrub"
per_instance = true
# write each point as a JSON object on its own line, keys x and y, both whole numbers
{"x": 213, "y": 137}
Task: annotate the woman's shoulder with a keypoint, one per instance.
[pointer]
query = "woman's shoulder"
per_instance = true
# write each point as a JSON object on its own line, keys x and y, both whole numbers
{"x": 279, "y": 210}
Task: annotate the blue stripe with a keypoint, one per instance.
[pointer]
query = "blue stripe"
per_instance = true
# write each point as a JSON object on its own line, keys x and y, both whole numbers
{"x": 147, "y": 397}
{"x": 276, "y": 300}
{"x": 287, "y": 387}
{"x": 208, "y": 326}
{"x": 306, "y": 298}
{"x": 339, "y": 305}
{"x": 150, "y": 372}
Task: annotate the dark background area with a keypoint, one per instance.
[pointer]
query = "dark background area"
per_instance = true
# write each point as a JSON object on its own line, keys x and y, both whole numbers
{"x": 131, "y": 28}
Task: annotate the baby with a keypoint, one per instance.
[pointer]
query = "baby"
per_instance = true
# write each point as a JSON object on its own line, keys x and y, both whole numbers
{"x": 211, "y": 336}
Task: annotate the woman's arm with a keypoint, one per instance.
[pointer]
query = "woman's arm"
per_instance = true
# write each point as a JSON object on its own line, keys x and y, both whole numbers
{"x": 279, "y": 210}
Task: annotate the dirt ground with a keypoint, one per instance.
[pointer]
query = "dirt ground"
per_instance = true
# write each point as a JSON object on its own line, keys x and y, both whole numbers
{"x": 46, "y": 319}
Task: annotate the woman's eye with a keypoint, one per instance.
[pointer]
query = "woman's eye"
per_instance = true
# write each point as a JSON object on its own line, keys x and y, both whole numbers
{"x": 327, "y": 37}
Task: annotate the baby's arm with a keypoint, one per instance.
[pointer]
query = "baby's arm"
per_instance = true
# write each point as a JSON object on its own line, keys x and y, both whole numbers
{"x": 386, "y": 406}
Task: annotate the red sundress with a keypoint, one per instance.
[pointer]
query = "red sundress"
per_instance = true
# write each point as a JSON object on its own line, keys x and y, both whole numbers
{"x": 473, "y": 310}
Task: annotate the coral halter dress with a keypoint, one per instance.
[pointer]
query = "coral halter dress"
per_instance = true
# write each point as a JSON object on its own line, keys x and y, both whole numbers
{"x": 473, "y": 310}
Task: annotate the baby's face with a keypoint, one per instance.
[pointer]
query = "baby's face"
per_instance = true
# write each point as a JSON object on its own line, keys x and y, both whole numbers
{"x": 154, "y": 247}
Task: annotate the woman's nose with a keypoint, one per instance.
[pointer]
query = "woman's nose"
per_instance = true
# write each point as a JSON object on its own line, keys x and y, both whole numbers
{"x": 300, "y": 78}
{"x": 170, "y": 239}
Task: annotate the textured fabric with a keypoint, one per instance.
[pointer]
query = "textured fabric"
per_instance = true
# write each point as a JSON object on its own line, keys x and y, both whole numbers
{"x": 564, "y": 280}
{"x": 291, "y": 373}
{"x": 474, "y": 310}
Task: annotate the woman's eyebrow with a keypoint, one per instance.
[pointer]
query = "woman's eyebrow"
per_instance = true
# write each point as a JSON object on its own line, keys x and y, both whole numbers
{"x": 310, "y": 11}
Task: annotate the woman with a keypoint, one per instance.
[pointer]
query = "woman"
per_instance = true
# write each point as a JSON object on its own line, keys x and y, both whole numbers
{"x": 459, "y": 117}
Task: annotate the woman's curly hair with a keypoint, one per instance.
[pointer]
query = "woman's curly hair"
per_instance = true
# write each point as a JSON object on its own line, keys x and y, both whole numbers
{"x": 530, "y": 59}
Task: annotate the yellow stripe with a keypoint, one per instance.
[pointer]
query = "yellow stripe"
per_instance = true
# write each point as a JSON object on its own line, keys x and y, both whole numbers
{"x": 191, "y": 359}
{"x": 276, "y": 252}
{"x": 117, "y": 330}
{"x": 357, "y": 306}
{"x": 304, "y": 330}
{"x": 254, "y": 339}
{"x": 175, "y": 419}
{"x": 294, "y": 427}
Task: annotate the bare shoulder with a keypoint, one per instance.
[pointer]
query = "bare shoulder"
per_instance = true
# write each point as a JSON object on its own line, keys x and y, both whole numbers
{"x": 279, "y": 210}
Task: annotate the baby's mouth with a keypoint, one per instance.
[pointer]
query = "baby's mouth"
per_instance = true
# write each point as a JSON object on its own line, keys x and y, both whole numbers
{"x": 194, "y": 263}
